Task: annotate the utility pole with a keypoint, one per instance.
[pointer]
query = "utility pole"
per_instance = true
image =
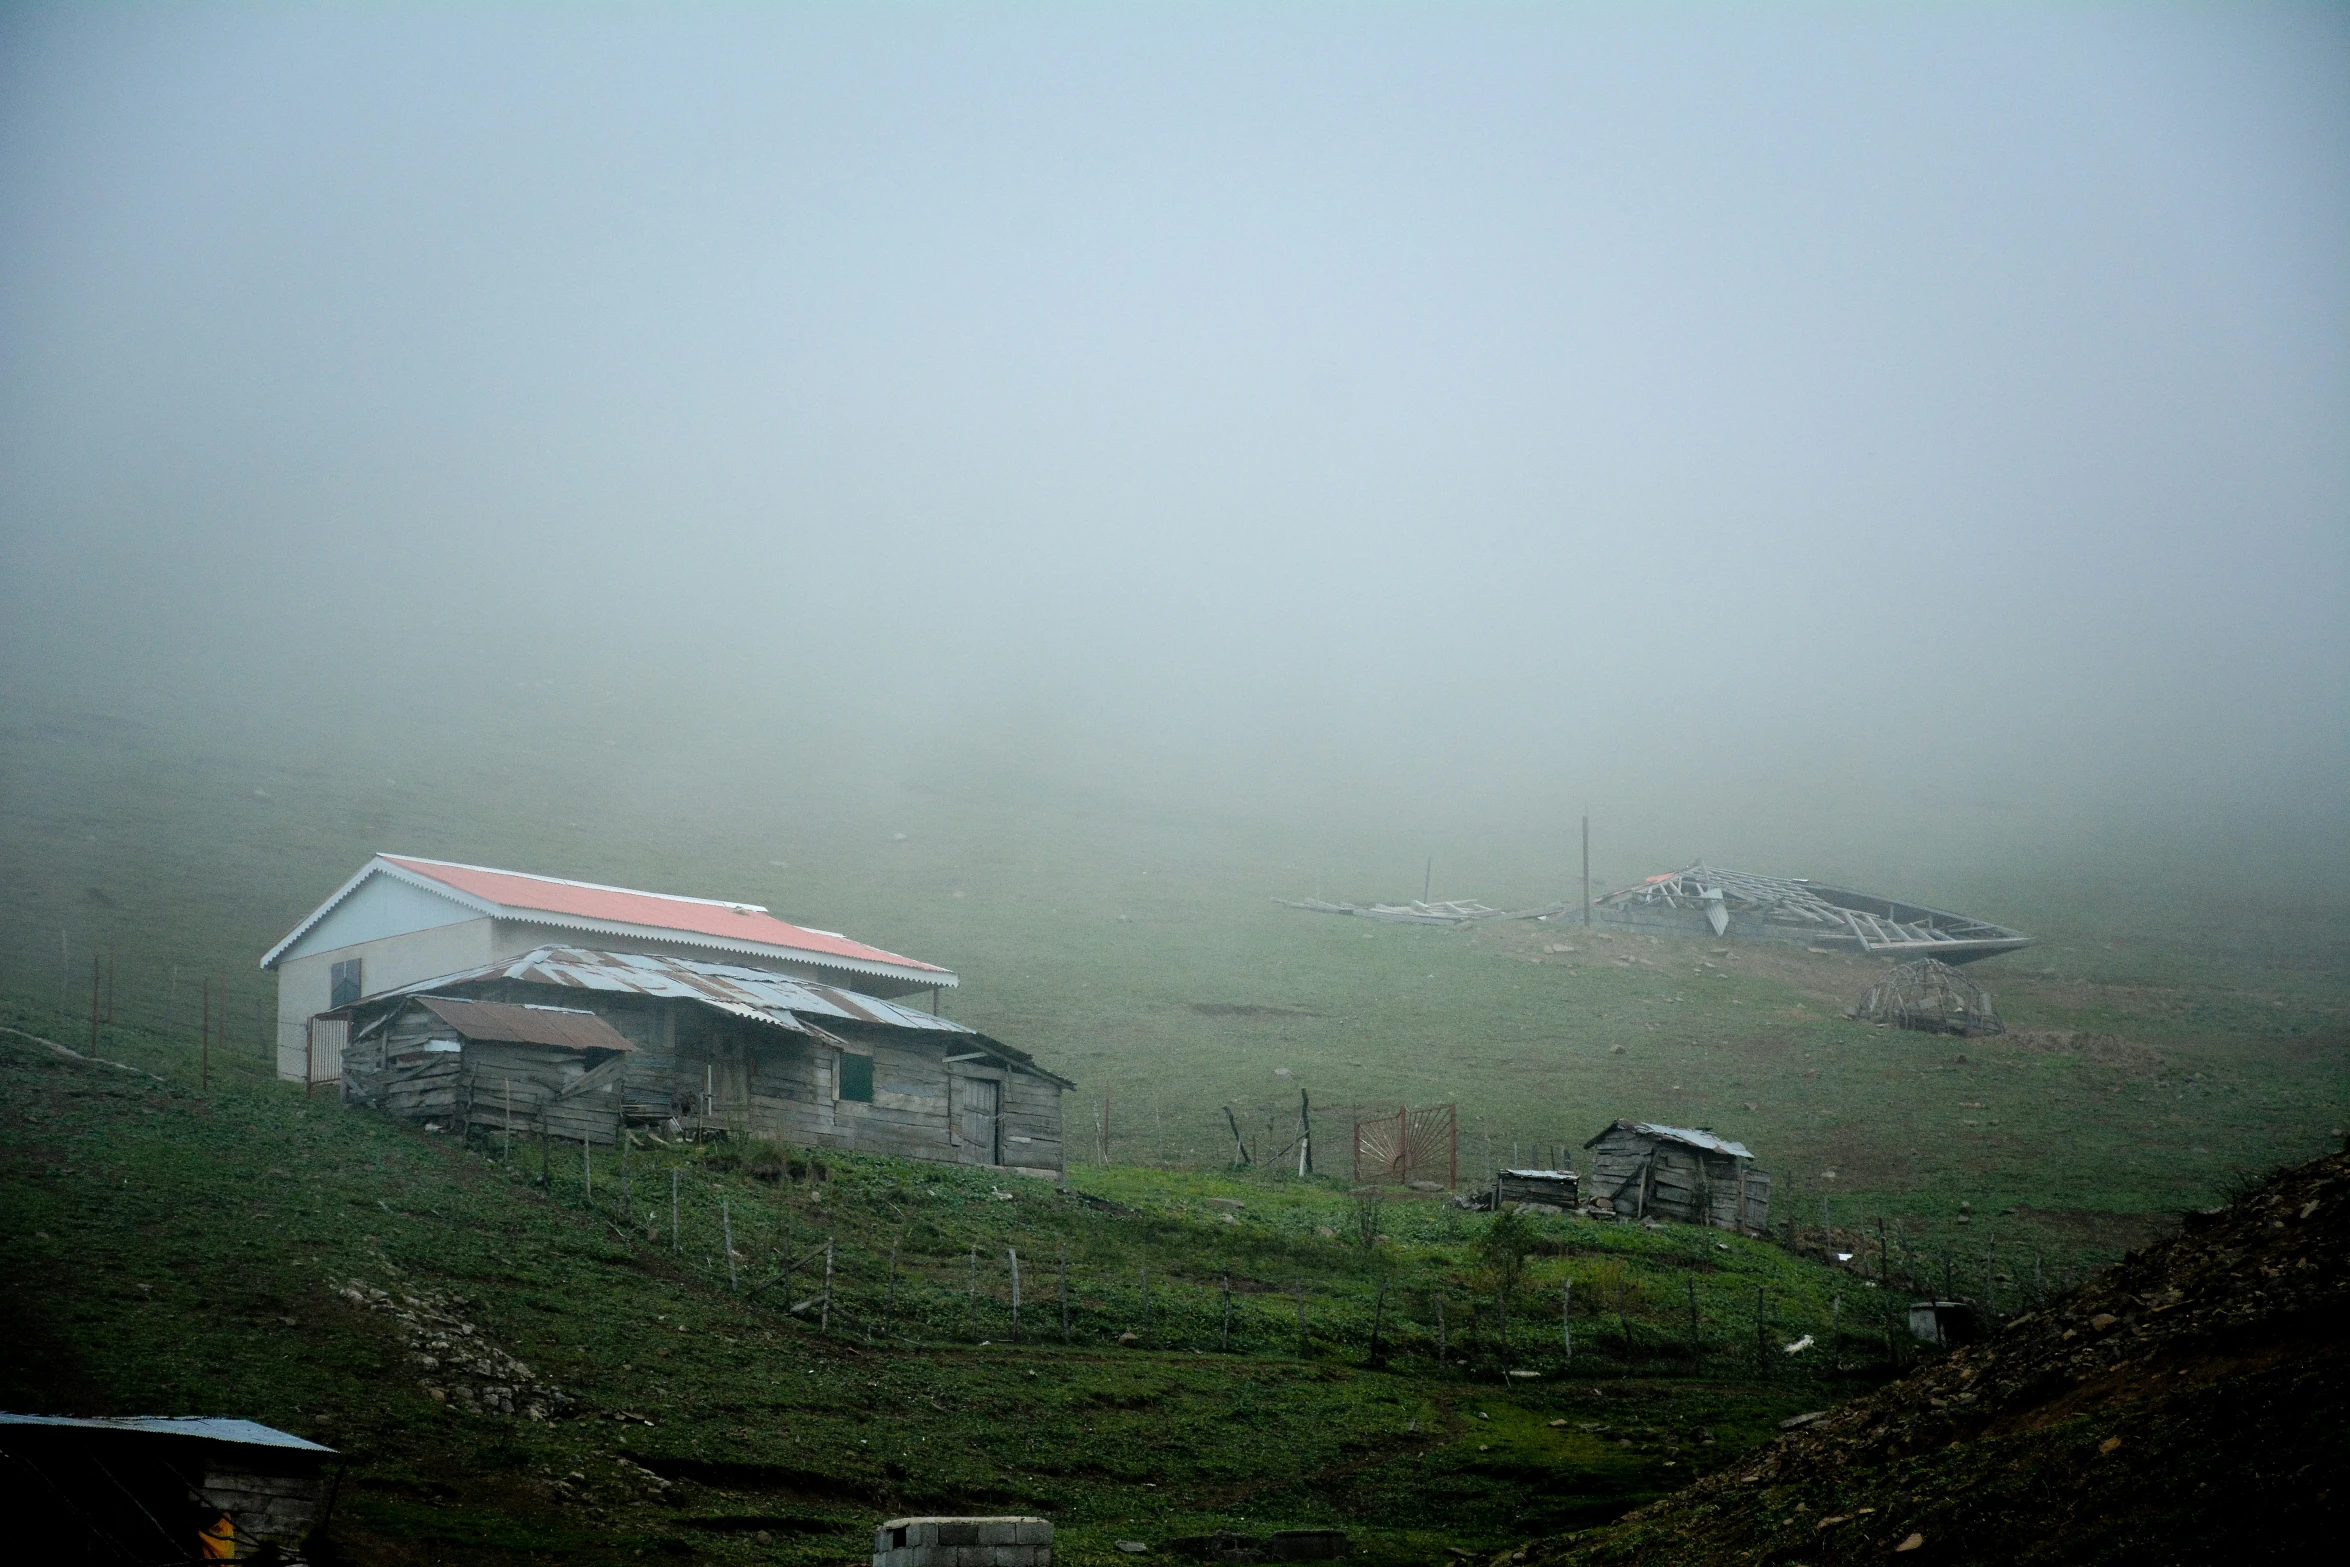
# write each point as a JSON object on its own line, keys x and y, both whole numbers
{"x": 1586, "y": 867}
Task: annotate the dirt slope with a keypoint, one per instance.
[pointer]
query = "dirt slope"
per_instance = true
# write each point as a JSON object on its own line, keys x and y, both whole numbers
{"x": 2185, "y": 1405}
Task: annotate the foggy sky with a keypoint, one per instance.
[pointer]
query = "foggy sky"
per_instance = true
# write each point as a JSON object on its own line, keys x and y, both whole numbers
{"x": 1322, "y": 408}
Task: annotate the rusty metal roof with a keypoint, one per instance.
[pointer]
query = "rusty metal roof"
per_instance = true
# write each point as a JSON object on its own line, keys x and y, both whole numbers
{"x": 561, "y": 1027}
{"x": 628, "y": 913}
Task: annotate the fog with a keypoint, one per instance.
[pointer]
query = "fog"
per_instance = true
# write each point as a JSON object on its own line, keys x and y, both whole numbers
{"x": 1806, "y": 436}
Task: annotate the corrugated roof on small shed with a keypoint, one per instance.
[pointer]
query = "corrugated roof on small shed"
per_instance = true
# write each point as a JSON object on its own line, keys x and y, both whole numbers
{"x": 209, "y": 1428}
{"x": 1689, "y": 1136}
{"x": 526, "y": 1025}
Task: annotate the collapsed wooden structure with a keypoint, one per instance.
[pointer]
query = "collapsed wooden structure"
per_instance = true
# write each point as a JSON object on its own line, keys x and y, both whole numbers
{"x": 1706, "y": 898}
{"x": 580, "y": 1043}
{"x": 1930, "y": 997}
{"x": 159, "y": 1488}
{"x": 1683, "y": 1174}
{"x": 492, "y": 1065}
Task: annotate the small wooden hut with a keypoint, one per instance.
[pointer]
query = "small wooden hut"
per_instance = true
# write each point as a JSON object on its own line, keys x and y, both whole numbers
{"x": 159, "y": 1488}
{"x": 1931, "y": 997}
{"x": 495, "y": 1065}
{"x": 1549, "y": 1188}
{"x": 1683, "y": 1174}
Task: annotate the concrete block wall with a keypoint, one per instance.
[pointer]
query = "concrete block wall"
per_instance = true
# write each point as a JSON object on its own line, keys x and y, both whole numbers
{"x": 963, "y": 1542}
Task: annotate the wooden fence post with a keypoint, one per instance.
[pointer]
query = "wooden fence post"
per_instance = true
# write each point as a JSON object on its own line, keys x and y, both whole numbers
{"x": 726, "y": 1233}
{"x": 824, "y": 1322}
{"x": 1064, "y": 1294}
{"x": 1014, "y": 1253}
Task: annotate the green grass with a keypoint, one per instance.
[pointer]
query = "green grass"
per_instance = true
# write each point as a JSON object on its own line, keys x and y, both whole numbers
{"x": 196, "y": 1245}
{"x": 2165, "y": 1038}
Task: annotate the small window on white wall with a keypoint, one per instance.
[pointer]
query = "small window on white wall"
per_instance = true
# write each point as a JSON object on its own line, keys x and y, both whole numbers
{"x": 343, "y": 983}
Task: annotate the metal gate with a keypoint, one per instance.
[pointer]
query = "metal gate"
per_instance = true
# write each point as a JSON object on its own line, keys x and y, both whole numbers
{"x": 322, "y": 1051}
{"x": 1410, "y": 1145}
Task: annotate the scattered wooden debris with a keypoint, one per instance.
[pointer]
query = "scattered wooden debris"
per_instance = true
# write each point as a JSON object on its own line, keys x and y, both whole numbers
{"x": 1930, "y": 997}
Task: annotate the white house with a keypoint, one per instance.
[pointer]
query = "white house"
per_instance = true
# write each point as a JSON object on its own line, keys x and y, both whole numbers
{"x": 403, "y": 920}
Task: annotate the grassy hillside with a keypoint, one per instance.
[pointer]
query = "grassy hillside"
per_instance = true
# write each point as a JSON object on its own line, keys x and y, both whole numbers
{"x": 2163, "y": 1043}
{"x": 516, "y": 1368}
{"x": 2183, "y": 1406}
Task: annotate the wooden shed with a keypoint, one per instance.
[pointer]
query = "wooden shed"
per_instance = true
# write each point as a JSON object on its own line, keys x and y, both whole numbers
{"x": 713, "y": 1048}
{"x": 1683, "y": 1174}
{"x": 1550, "y": 1188}
{"x": 159, "y": 1488}
{"x": 494, "y": 1065}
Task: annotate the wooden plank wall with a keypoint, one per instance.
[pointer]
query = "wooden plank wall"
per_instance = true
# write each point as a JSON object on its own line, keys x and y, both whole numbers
{"x": 763, "y": 1081}
{"x": 1655, "y": 1179}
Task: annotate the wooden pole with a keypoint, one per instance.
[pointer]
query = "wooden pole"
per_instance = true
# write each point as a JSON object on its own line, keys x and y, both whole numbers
{"x": 509, "y": 1119}
{"x": 1064, "y": 1294}
{"x": 1567, "y": 1317}
{"x": 726, "y": 1233}
{"x": 824, "y": 1321}
{"x": 1014, "y": 1253}
{"x": 1836, "y": 1334}
{"x": 971, "y": 1299}
{"x": 204, "y": 1057}
{"x": 1428, "y": 878}
{"x": 1761, "y": 1353}
{"x": 587, "y": 1173}
{"x": 1691, "y": 1280}
{"x": 673, "y": 1245}
{"x": 93, "y": 1006}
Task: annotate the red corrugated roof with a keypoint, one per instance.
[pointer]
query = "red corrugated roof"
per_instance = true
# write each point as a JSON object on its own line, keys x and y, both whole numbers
{"x": 653, "y": 910}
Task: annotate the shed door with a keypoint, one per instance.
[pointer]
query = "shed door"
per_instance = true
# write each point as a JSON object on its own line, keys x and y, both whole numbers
{"x": 979, "y": 1119}
{"x": 324, "y": 1053}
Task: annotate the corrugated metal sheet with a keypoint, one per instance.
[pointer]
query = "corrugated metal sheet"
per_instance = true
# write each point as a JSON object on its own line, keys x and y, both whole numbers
{"x": 522, "y": 1025}
{"x": 754, "y": 994}
{"x": 210, "y": 1428}
{"x": 749, "y": 922}
{"x": 1686, "y": 1135}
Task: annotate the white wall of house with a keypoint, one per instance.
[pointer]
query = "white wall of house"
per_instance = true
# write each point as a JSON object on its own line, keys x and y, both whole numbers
{"x": 386, "y": 963}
